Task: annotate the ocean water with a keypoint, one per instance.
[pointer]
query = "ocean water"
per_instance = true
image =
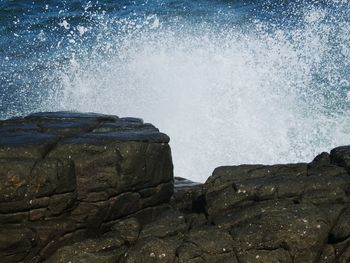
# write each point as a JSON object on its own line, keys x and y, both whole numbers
{"x": 229, "y": 81}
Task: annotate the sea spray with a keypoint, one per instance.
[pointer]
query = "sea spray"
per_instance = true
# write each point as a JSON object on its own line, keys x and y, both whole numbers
{"x": 259, "y": 91}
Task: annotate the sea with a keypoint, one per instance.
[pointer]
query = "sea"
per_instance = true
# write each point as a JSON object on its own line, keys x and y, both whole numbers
{"x": 230, "y": 81}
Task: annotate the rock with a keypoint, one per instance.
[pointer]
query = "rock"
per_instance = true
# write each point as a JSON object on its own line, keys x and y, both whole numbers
{"x": 169, "y": 224}
{"x": 106, "y": 249}
{"x": 128, "y": 229}
{"x": 188, "y": 196}
{"x": 321, "y": 159}
{"x": 15, "y": 242}
{"x": 281, "y": 213}
{"x": 153, "y": 249}
{"x": 341, "y": 156}
{"x": 183, "y": 183}
{"x": 78, "y": 187}
{"x": 249, "y": 213}
{"x": 63, "y": 173}
{"x": 208, "y": 244}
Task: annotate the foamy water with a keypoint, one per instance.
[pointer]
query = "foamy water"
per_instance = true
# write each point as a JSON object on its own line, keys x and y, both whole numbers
{"x": 225, "y": 94}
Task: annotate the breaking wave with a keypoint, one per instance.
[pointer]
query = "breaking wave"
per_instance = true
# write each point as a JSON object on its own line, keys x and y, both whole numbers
{"x": 264, "y": 90}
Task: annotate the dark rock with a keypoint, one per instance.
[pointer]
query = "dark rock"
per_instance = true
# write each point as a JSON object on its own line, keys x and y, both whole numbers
{"x": 26, "y": 144}
{"x": 128, "y": 229}
{"x": 328, "y": 254}
{"x": 108, "y": 248}
{"x": 153, "y": 249}
{"x": 249, "y": 213}
{"x": 62, "y": 177}
{"x": 68, "y": 115}
{"x": 97, "y": 188}
{"x": 341, "y": 230}
{"x": 188, "y": 196}
{"x": 341, "y": 156}
{"x": 169, "y": 224}
{"x": 321, "y": 159}
{"x": 266, "y": 256}
{"x": 207, "y": 245}
{"x": 183, "y": 183}
{"x": 281, "y": 213}
{"x": 15, "y": 242}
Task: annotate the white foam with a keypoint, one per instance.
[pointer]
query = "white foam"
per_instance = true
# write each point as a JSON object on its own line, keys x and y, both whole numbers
{"x": 65, "y": 24}
{"x": 225, "y": 96}
{"x": 82, "y": 30}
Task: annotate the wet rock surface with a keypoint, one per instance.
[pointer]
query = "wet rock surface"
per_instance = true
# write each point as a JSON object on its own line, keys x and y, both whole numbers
{"x": 98, "y": 188}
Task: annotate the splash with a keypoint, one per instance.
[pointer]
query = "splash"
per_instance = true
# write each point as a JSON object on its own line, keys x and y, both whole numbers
{"x": 225, "y": 94}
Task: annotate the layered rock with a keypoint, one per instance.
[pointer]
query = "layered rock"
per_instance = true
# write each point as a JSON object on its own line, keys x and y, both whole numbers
{"x": 97, "y": 188}
{"x": 281, "y": 213}
{"x": 248, "y": 213}
{"x": 66, "y": 175}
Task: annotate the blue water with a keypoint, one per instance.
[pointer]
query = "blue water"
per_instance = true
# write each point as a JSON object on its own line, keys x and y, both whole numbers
{"x": 230, "y": 81}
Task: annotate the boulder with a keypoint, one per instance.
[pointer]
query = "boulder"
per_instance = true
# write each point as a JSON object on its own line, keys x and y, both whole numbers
{"x": 67, "y": 175}
{"x": 282, "y": 213}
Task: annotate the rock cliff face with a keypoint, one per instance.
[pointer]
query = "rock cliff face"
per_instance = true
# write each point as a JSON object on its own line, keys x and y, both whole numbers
{"x": 98, "y": 188}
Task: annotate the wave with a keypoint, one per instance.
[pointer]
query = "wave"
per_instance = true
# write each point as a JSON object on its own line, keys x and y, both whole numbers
{"x": 226, "y": 93}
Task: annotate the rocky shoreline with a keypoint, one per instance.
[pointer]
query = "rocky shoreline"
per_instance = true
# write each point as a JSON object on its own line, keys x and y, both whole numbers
{"x": 85, "y": 187}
